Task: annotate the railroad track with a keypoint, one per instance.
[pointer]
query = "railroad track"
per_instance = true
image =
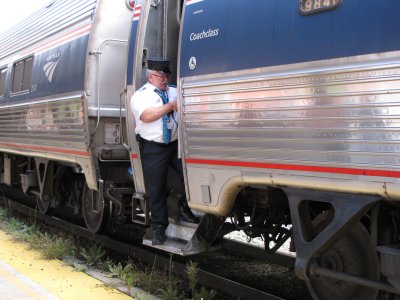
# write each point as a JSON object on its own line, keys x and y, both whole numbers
{"x": 161, "y": 260}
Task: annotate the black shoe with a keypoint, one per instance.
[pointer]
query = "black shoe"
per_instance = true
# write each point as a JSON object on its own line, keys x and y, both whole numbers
{"x": 186, "y": 215}
{"x": 158, "y": 235}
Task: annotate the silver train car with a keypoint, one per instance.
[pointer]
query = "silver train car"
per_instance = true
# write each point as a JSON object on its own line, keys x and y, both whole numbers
{"x": 288, "y": 132}
{"x": 290, "y": 115}
{"x": 60, "y": 100}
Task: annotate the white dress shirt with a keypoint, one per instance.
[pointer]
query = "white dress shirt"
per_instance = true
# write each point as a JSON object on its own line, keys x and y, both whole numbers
{"x": 145, "y": 98}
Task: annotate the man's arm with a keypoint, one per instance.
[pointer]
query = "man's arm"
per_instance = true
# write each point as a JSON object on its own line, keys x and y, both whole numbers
{"x": 152, "y": 114}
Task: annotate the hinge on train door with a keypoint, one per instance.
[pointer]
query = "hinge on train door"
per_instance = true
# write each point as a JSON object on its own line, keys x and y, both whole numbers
{"x": 144, "y": 58}
{"x": 140, "y": 209}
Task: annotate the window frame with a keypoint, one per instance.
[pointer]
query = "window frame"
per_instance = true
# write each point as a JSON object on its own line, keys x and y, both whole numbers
{"x": 3, "y": 81}
{"x": 22, "y": 75}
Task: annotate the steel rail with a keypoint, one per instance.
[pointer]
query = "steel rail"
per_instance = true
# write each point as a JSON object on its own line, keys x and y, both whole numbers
{"x": 238, "y": 248}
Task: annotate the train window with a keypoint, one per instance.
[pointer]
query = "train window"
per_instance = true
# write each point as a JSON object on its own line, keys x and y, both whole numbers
{"x": 17, "y": 76}
{"x": 3, "y": 77}
{"x": 26, "y": 83}
{"x": 22, "y": 75}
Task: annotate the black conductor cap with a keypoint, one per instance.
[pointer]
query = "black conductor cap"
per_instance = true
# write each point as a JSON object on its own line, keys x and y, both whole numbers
{"x": 159, "y": 64}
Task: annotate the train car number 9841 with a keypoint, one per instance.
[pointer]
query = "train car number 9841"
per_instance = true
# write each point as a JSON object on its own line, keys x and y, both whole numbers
{"x": 312, "y": 6}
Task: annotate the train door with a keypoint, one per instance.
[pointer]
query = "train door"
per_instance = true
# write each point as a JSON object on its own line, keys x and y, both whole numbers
{"x": 154, "y": 33}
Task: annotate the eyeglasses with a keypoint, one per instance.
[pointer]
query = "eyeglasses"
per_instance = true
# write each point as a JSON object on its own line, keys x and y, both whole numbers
{"x": 161, "y": 76}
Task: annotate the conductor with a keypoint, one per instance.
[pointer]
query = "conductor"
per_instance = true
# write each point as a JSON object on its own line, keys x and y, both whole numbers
{"x": 155, "y": 108}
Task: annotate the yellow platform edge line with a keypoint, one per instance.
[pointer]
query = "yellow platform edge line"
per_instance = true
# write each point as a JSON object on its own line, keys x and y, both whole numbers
{"x": 54, "y": 276}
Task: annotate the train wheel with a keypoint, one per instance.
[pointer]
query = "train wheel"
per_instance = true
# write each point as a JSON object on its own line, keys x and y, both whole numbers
{"x": 353, "y": 254}
{"x": 96, "y": 214}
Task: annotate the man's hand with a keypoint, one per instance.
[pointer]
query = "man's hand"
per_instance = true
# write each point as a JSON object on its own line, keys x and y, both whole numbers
{"x": 154, "y": 113}
{"x": 174, "y": 105}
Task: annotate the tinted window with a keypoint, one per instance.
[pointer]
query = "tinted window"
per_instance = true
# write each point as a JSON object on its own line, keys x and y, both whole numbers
{"x": 26, "y": 83}
{"x": 22, "y": 75}
{"x": 3, "y": 76}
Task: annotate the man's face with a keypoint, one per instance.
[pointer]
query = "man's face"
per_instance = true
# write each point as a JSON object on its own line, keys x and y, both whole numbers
{"x": 159, "y": 80}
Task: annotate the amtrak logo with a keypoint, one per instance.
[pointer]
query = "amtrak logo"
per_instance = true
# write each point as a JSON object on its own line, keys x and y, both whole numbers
{"x": 51, "y": 65}
{"x": 192, "y": 63}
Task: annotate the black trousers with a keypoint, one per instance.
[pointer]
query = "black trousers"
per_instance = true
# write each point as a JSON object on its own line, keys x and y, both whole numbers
{"x": 156, "y": 158}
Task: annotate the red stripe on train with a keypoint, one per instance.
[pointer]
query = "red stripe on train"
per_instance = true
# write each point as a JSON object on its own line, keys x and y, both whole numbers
{"x": 137, "y": 13}
{"x": 289, "y": 167}
{"x": 47, "y": 149}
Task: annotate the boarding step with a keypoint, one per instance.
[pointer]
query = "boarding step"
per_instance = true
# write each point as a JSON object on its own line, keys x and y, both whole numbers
{"x": 181, "y": 239}
{"x": 187, "y": 238}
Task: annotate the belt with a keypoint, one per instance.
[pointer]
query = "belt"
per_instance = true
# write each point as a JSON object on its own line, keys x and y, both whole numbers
{"x": 144, "y": 141}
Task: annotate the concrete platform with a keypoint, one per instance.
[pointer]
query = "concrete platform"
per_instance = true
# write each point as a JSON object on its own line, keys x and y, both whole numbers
{"x": 25, "y": 275}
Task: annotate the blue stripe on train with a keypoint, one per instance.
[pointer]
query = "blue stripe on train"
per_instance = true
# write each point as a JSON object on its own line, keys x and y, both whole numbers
{"x": 57, "y": 71}
{"x": 131, "y": 52}
{"x": 227, "y": 35}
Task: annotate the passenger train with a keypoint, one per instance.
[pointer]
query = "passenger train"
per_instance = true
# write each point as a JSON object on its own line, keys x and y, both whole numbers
{"x": 289, "y": 125}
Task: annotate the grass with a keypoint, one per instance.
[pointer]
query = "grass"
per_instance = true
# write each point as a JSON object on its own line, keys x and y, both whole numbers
{"x": 54, "y": 247}
{"x": 80, "y": 267}
{"x": 57, "y": 245}
{"x": 60, "y": 245}
{"x": 191, "y": 271}
{"x": 170, "y": 292}
{"x": 203, "y": 293}
{"x": 93, "y": 255}
{"x": 51, "y": 246}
